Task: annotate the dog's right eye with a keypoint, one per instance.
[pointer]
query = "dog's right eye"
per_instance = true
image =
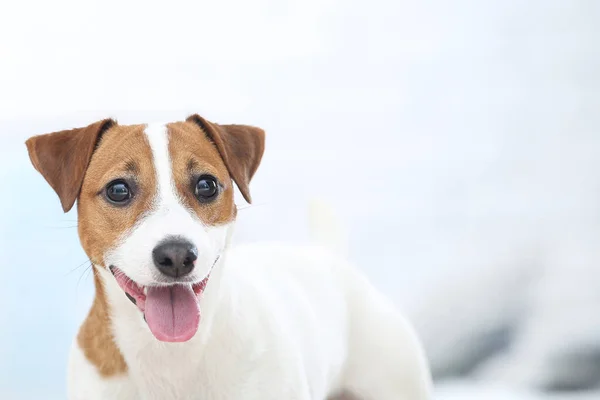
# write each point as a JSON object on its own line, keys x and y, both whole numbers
{"x": 118, "y": 192}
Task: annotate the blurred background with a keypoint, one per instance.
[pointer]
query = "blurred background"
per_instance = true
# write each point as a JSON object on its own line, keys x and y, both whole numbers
{"x": 457, "y": 140}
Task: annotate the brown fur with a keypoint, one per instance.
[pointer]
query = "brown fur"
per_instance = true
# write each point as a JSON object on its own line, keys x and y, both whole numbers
{"x": 62, "y": 158}
{"x": 241, "y": 148}
{"x": 95, "y": 337}
{"x": 124, "y": 152}
{"x": 192, "y": 155}
{"x": 79, "y": 164}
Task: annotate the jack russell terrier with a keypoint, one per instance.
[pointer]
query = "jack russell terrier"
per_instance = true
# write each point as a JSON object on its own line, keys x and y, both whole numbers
{"x": 178, "y": 314}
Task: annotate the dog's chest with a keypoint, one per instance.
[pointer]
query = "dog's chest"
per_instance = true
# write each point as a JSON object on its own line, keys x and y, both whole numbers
{"x": 159, "y": 373}
{"x": 190, "y": 371}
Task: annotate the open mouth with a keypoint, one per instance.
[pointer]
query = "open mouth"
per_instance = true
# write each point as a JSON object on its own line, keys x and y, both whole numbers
{"x": 172, "y": 312}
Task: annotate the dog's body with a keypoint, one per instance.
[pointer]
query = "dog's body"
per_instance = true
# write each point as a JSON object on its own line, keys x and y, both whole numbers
{"x": 288, "y": 323}
{"x": 274, "y": 321}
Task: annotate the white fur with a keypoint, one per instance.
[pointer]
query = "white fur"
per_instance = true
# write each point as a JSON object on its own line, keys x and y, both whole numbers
{"x": 84, "y": 381}
{"x": 277, "y": 321}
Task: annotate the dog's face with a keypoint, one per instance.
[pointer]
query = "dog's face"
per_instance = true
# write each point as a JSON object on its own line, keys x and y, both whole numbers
{"x": 155, "y": 203}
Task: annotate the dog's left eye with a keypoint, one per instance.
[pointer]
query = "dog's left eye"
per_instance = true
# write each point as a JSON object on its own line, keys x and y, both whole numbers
{"x": 118, "y": 192}
{"x": 206, "y": 188}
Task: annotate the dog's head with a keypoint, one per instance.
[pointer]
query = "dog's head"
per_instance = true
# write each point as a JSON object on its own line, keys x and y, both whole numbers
{"x": 155, "y": 203}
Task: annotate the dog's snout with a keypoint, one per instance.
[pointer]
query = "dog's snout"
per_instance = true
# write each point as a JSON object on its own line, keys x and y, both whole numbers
{"x": 175, "y": 257}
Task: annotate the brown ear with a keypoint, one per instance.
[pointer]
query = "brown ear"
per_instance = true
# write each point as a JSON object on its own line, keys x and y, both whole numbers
{"x": 241, "y": 147}
{"x": 63, "y": 157}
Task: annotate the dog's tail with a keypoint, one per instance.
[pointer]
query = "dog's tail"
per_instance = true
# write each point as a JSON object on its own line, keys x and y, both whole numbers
{"x": 325, "y": 227}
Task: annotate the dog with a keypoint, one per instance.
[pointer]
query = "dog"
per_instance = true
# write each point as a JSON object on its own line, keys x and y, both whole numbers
{"x": 178, "y": 313}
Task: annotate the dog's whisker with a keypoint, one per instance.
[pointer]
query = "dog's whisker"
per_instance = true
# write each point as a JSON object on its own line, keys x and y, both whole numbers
{"x": 79, "y": 266}
{"x": 87, "y": 270}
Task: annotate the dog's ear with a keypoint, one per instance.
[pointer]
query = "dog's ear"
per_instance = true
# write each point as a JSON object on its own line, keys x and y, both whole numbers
{"x": 241, "y": 147}
{"x": 63, "y": 157}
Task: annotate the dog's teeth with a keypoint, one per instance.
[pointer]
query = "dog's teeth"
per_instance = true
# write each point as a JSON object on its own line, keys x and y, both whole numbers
{"x": 145, "y": 291}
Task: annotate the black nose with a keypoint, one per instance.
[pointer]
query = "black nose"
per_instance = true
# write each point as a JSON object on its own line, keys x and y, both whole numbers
{"x": 175, "y": 257}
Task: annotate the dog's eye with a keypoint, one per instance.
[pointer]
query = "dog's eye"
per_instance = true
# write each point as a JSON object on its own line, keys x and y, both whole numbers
{"x": 118, "y": 192}
{"x": 206, "y": 188}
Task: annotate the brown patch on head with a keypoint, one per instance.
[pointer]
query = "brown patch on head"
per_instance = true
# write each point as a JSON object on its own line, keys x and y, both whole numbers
{"x": 95, "y": 337}
{"x": 241, "y": 147}
{"x": 123, "y": 154}
{"x": 211, "y": 149}
{"x": 193, "y": 155}
{"x": 79, "y": 163}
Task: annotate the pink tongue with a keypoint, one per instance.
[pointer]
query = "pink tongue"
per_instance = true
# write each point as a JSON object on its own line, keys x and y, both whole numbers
{"x": 172, "y": 312}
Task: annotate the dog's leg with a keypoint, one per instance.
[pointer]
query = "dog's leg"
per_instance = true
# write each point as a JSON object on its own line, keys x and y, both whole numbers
{"x": 386, "y": 360}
